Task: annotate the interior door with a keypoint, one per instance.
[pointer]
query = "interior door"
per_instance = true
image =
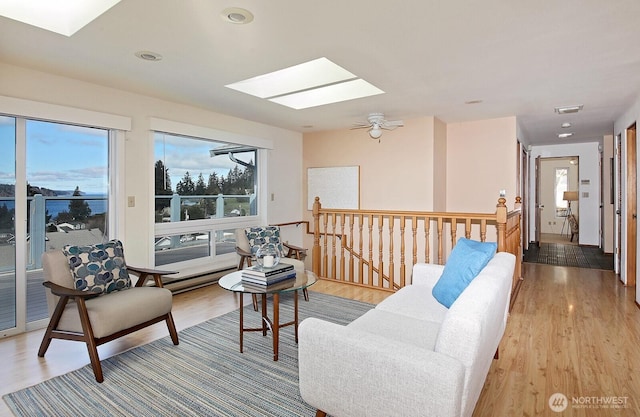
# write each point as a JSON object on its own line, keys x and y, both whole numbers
{"x": 525, "y": 198}
{"x": 539, "y": 207}
{"x": 631, "y": 203}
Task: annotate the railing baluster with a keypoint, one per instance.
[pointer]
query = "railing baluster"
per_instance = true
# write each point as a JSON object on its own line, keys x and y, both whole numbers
{"x": 342, "y": 245}
{"x": 454, "y": 232}
{"x": 333, "y": 245}
{"x": 325, "y": 258}
{"x": 380, "y": 249}
{"x": 427, "y": 239}
{"x": 440, "y": 242}
{"x": 360, "y": 251}
{"x": 370, "y": 266}
{"x": 402, "y": 254}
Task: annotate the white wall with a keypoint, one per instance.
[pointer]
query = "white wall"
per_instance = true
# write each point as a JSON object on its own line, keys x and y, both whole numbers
{"x": 589, "y": 157}
{"x": 482, "y": 159}
{"x": 631, "y": 116}
{"x": 284, "y": 160}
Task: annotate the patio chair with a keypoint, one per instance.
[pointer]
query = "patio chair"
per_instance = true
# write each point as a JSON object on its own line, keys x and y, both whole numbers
{"x": 84, "y": 308}
{"x": 249, "y": 239}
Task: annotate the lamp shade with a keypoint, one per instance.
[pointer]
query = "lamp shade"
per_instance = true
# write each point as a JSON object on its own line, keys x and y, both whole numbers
{"x": 570, "y": 196}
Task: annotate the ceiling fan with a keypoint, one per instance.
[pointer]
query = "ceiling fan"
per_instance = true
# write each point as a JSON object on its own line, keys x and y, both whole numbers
{"x": 376, "y": 122}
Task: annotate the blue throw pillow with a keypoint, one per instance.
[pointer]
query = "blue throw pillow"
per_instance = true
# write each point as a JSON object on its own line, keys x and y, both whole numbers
{"x": 466, "y": 261}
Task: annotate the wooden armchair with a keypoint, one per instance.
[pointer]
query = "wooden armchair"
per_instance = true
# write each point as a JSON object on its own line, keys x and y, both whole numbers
{"x": 96, "y": 319}
{"x": 246, "y": 253}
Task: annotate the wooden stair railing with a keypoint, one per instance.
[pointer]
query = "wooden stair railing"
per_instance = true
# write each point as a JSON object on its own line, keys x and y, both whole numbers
{"x": 370, "y": 247}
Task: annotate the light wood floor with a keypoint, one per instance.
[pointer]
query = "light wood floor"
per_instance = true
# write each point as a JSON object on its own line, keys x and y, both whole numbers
{"x": 572, "y": 331}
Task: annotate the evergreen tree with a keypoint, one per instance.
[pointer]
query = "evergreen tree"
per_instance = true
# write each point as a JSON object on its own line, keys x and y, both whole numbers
{"x": 162, "y": 185}
{"x": 186, "y": 186}
{"x": 213, "y": 187}
{"x": 79, "y": 209}
{"x": 201, "y": 187}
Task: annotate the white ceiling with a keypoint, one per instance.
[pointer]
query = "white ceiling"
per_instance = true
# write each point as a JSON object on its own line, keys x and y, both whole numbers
{"x": 430, "y": 57}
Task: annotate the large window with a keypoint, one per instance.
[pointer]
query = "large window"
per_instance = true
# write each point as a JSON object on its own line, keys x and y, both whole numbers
{"x": 199, "y": 179}
{"x": 200, "y": 186}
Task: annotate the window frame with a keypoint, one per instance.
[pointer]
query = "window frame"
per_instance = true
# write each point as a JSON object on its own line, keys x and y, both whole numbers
{"x": 213, "y": 261}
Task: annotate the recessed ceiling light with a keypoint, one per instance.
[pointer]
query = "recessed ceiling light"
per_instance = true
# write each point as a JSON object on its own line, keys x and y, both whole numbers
{"x": 63, "y": 17}
{"x": 237, "y": 16}
{"x": 564, "y": 135}
{"x": 148, "y": 55}
{"x": 568, "y": 109}
{"x": 565, "y": 125}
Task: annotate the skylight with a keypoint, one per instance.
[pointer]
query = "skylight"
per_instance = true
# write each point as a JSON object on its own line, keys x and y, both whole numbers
{"x": 309, "y": 84}
{"x": 65, "y": 17}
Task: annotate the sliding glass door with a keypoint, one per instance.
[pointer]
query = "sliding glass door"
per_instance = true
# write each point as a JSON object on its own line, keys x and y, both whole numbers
{"x": 8, "y": 290}
{"x": 54, "y": 187}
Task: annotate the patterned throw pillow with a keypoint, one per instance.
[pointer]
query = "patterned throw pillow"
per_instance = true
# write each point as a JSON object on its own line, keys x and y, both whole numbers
{"x": 258, "y": 236}
{"x": 98, "y": 268}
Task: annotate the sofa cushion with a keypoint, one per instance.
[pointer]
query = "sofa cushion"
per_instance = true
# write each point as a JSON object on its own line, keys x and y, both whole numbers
{"x": 421, "y": 333}
{"x": 98, "y": 268}
{"x": 466, "y": 261}
{"x": 414, "y": 301}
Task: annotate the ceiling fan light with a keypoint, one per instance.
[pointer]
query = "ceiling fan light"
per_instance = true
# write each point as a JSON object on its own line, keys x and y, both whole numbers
{"x": 375, "y": 132}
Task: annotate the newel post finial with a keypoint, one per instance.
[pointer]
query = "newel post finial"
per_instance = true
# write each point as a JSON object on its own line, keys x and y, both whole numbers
{"x": 501, "y": 223}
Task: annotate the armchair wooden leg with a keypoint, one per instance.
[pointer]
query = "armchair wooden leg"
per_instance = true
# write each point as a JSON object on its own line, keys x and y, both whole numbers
{"x": 320, "y": 413}
{"x": 306, "y": 294}
{"x": 53, "y": 324}
{"x": 254, "y": 300}
{"x": 172, "y": 329}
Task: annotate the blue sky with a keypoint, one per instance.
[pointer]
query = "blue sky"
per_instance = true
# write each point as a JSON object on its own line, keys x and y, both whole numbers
{"x": 181, "y": 154}
{"x": 61, "y": 157}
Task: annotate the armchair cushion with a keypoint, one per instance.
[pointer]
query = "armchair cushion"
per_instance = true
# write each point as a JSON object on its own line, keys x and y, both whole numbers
{"x": 98, "y": 268}
{"x": 466, "y": 261}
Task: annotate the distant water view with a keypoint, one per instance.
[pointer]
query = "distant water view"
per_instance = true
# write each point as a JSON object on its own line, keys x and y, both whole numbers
{"x": 54, "y": 207}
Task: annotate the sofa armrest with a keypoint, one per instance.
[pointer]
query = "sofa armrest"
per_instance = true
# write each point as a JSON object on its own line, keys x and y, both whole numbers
{"x": 347, "y": 372}
{"x": 426, "y": 274}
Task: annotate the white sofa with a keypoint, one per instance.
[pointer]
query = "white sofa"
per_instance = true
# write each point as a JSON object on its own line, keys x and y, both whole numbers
{"x": 410, "y": 356}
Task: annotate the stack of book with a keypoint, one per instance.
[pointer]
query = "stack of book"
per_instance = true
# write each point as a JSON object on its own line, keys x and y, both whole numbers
{"x": 261, "y": 278}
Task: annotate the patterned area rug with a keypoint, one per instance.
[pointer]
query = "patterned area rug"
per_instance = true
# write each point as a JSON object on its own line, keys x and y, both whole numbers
{"x": 205, "y": 375}
{"x": 568, "y": 255}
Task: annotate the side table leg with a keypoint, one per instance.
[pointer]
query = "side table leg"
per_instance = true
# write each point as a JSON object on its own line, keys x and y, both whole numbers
{"x": 265, "y": 318}
{"x": 295, "y": 313}
{"x": 241, "y": 322}
{"x": 276, "y": 324}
